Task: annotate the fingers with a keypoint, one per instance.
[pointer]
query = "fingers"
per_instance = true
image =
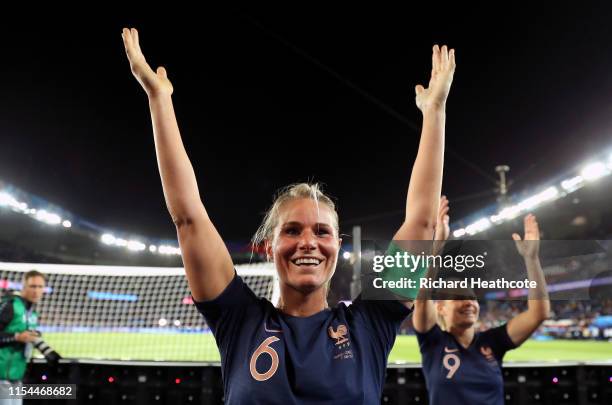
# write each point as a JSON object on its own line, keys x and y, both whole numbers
{"x": 128, "y": 42}
{"x": 418, "y": 89}
{"x": 516, "y": 237}
{"x": 136, "y": 40}
{"x": 131, "y": 42}
{"x": 444, "y": 211}
{"x": 135, "y": 35}
{"x": 531, "y": 227}
{"x": 442, "y": 59}
{"x": 161, "y": 72}
{"x": 125, "y": 35}
{"x": 435, "y": 59}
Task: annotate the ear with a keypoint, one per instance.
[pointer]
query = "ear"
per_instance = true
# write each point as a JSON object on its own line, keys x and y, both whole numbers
{"x": 440, "y": 306}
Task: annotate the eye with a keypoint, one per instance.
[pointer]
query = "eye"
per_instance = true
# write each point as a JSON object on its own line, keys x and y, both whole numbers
{"x": 292, "y": 231}
{"x": 323, "y": 231}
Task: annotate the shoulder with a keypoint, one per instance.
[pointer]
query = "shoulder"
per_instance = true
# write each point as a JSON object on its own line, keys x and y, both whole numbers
{"x": 497, "y": 338}
{"x": 392, "y": 310}
{"x": 431, "y": 338}
{"x": 495, "y": 333}
{"x": 13, "y": 300}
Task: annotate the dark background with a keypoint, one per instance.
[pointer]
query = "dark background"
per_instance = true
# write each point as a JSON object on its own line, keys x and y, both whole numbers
{"x": 267, "y": 97}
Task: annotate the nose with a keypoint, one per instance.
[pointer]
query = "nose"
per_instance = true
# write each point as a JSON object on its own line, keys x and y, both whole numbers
{"x": 308, "y": 241}
{"x": 470, "y": 303}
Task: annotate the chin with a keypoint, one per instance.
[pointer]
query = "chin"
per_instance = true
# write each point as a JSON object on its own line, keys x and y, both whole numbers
{"x": 307, "y": 284}
{"x": 467, "y": 324}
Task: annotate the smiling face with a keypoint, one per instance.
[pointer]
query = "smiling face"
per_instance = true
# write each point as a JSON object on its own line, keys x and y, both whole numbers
{"x": 459, "y": 313}
{"x": 305, "y": 245}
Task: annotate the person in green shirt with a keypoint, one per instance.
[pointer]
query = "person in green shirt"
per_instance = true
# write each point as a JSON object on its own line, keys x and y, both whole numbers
{"x": 18, "y": 334}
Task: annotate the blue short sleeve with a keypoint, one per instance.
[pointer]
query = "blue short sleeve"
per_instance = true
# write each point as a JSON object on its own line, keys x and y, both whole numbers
{"x": 431, "y": 338}
{"x": 383, "y": 319}
{"x": 499, "y": 341}
{"x": 225, "y": 314}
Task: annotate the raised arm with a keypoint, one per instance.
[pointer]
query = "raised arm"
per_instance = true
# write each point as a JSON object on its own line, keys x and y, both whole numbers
{"x": 426, "y": 179}
{"x": 207, "y": 262}
{"x": 538, "y": 305}
{"x": 424, "y": 317}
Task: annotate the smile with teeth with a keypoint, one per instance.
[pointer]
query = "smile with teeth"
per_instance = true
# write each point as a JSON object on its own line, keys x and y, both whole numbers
{"x": 306, "y": 261}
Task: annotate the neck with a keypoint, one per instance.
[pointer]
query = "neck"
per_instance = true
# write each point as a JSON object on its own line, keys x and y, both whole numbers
{"x": 463, "y": 335}
{"x": 297, "y": 303}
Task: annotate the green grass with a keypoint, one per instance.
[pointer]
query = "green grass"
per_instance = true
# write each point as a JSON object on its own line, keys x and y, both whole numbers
{"x": 406, "y": 350}
{"x": 201, "y": 347}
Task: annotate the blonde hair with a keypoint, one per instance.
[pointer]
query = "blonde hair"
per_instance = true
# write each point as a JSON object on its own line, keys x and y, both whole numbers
{"x": 439, "y": 317}
{"x": 297, "y": 191}
{"x": 312, "y": 191}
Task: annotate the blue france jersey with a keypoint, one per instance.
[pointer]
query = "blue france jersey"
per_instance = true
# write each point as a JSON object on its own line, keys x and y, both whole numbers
{"x": 335, "y": 356}
{"x": 467, "y": 376}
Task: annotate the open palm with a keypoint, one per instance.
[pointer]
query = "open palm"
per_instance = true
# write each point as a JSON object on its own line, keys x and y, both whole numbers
{"x": 442, "y": 71}
{"x": 442, "y": 231}
{"x": 529, "y": 246}
{"x": 154, "y": 83}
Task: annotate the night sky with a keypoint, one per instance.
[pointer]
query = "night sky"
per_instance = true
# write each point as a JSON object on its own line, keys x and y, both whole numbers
{"x": 269, "y": 97}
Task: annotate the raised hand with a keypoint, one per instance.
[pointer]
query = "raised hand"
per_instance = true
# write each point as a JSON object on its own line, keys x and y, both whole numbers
{"x": 154, "y": 83}
{"x": 442, "y": 231}
{"x": 529, "y": 246}
{"x": 442, "y": 71}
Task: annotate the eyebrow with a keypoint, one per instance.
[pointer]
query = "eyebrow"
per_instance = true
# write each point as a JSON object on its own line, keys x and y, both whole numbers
{"x": 293, "y": 223}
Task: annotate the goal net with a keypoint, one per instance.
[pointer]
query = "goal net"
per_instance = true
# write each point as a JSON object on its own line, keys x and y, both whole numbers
{"x": 125, "y": 312}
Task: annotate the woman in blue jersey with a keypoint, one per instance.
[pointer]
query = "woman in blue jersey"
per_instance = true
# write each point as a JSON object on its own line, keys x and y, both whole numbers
{"x": 301, "y": 351}
{"x": 459, "y": 362}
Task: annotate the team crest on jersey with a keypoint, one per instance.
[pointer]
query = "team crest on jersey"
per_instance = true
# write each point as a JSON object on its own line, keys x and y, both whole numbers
{"x": 342, "y": 343}
{"x": 487, "y": 352}
{"x": 339, "y": 334}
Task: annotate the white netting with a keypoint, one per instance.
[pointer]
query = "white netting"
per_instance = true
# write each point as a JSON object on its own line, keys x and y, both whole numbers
{"x": 127, "y": 313}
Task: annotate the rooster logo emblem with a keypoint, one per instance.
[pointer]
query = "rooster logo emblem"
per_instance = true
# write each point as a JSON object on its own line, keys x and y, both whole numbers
{"x": 487, "y": 352}
{"x": 339, "y": 334}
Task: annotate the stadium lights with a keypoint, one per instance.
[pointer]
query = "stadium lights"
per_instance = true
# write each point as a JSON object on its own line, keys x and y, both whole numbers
{"x": 42, "y": 215}
{"x": 478, "y": 226}
{"x": 532, "y": 202}
{"x": 459, "y": 233}
{"x": 590, "y": 172}
{"x": 346, "y": 255}
{"x": 169, "y": 250}
{"x": 108, "y": 239}
{"x": 8, "y": 200}
{"x": 136, "y": 246}
{"x": 48, "y": 217}
{"x": 572, "y": 184}
{"x": 594, "y": 171}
